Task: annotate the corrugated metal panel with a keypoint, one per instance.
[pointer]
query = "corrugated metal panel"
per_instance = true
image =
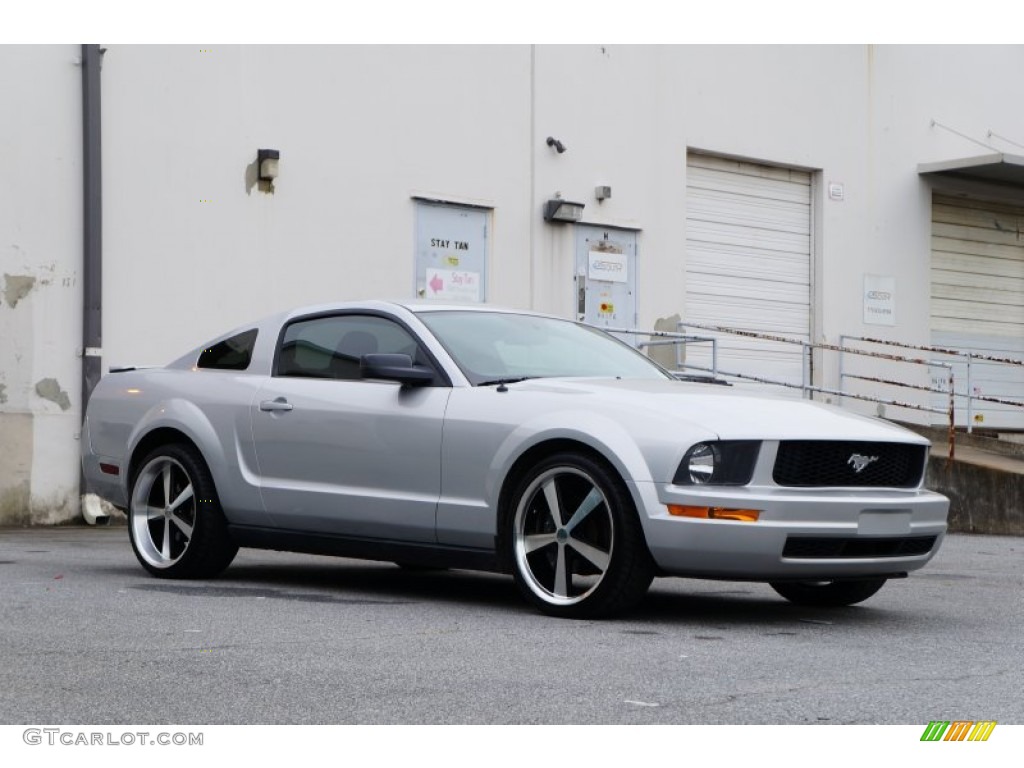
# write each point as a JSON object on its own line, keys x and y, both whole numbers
{"x": 978, "y": 298}
{"x": 748, "y": 261}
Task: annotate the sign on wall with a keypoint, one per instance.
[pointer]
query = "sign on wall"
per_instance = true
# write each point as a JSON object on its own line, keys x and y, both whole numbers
{"x": 879, "y": 300}
{"x": 451, "y": 252}
{"x": 611, "y": 267}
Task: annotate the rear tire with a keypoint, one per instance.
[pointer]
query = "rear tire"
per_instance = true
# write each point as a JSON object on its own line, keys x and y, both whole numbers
{"x": 175, "y": 522}
{"x": 828, "y": 593}
{"x": 577, "y": 548}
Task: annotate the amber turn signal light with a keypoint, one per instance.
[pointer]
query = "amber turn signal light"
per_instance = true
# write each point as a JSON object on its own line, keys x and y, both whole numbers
{"x": 715, "y": 513}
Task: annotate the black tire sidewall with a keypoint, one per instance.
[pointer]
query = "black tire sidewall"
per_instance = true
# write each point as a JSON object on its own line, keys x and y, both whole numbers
{"x": 630, "y": 571}
{"x": 829, "y": 595}
{"x": 210, "y": 549}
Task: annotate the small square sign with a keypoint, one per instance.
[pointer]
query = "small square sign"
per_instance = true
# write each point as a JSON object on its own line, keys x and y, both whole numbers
{"x": 879, "y": 300}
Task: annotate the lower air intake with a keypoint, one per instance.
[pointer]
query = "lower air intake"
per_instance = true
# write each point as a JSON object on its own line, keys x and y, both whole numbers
{"x": 809, "y": 547}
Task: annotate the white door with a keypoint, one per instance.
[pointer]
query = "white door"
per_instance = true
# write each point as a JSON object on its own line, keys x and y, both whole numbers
{"x": 978, "y": 300}
{"x": 748, "y": 263}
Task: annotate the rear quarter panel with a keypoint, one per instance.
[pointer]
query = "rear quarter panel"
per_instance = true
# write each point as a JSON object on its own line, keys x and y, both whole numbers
{"x": 211, "y": 408}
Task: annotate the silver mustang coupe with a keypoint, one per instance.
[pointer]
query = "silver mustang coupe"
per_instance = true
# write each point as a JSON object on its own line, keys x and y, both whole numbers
{"x": 440, "y": 436}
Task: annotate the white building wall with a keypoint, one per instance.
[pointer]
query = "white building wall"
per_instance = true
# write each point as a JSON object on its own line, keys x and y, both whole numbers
{"x": 193, "y": 246}
{"x": 40, "y": 285}
{"x": 968, "y": 89}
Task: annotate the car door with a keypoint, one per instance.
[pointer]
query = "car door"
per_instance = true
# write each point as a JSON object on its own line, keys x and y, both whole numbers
{"x": 342, "y": 455}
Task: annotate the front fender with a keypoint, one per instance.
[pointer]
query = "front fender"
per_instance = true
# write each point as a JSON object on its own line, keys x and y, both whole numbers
{"x": 599, "y": 433}
{"x": 483, "y": 443}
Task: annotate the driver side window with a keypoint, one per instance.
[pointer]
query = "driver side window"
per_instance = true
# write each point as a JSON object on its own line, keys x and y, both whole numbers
{"x": 331, "y": 347}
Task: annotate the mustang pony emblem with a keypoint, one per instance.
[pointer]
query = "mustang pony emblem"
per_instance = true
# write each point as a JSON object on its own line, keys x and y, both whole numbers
{"x": 860, "y": 462}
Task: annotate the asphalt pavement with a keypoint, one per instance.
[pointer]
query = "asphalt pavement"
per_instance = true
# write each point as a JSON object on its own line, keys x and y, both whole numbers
{"x": 86, "y": 636}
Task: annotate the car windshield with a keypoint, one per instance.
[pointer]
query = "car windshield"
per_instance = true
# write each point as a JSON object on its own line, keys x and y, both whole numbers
{"x": 503, "y": 346}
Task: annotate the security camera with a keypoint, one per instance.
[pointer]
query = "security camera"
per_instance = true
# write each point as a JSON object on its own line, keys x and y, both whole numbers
{"x": 559, "y": 146}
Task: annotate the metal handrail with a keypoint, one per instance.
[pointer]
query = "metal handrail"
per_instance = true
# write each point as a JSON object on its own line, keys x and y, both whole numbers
{"x": 679, "y": 338}
{"x": 806, "y": 386}
{"x": 967, "y": 357}
{"x": 938, "y": 350}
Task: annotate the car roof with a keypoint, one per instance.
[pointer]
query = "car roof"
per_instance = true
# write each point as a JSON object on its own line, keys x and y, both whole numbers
{"x": 430, "y": 306}
{"x": 416, "y": 307}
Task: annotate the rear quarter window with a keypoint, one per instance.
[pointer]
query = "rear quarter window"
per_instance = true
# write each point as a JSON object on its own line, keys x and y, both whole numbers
{"x": 232, "y": 354}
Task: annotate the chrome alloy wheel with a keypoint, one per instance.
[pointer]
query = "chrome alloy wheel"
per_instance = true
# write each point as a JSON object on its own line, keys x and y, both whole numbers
{"x": 564, "y": 535}
{"x": 163, "y": 512}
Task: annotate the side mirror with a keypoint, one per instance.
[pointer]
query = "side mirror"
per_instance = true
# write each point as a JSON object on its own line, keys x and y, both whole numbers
{"x": 394, "y": 368}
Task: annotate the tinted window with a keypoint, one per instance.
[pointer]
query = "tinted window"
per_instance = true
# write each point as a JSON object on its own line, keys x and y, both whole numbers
{"x": 330, "y": 347}
{"x": 232, "y": 354}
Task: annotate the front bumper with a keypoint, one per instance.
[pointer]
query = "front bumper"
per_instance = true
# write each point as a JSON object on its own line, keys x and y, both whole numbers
{"x": 832, "y": 533}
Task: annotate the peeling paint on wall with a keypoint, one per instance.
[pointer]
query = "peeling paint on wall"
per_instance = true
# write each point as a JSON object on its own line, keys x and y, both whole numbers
{"x": 3, "y": 394}
{"x": 17, "y": 287}
{"x": 49, "y": 389}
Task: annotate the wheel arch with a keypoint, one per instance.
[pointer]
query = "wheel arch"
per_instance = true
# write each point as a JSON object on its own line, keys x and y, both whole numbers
{"x": 177, "y": 421}
{"x": 156, "y": 438}
{"x": 531, "y": 456}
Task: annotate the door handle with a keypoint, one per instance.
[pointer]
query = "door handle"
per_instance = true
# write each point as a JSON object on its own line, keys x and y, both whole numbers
{"x": 277, "y": 404}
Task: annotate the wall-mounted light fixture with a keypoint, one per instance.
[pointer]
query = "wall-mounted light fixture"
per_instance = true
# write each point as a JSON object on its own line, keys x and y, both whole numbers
{"x": 562, "y": 210}
{"x": 266, "y": 163}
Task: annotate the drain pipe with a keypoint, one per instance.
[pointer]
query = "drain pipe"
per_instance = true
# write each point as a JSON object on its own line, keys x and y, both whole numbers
{"x": 92, "y": 259}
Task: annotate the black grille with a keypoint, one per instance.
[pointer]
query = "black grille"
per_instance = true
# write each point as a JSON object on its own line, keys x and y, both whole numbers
{"x": 818, "y": 463}
{"x": 837, "y": 547}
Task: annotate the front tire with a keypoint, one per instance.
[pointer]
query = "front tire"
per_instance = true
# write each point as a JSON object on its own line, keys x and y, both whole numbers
{"x": 175, "y": 521}
{"x": 578, "y": 550}
{"x": 828, "y": 593}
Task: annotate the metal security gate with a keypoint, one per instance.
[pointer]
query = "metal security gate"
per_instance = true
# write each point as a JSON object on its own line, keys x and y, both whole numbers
{"x": 451, "y": 252}
{"x": 606, "y": 277}
{"x": 977, "y": 299}
{"x": 748, "y": 262}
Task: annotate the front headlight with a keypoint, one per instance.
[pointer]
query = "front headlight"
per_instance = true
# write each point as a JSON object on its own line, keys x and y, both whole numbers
{"x": 700, "y": 462}
{"x": 723, "y": 462}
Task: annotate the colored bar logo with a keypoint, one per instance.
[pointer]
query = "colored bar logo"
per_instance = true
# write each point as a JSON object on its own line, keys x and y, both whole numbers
{"x": 958, "y": 730}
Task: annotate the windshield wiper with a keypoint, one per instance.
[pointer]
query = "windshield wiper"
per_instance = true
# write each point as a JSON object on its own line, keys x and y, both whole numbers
{"x": 503, "y": 381}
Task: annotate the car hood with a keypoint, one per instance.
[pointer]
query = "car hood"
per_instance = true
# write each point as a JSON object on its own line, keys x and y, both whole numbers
{"x": 732, "y": 414}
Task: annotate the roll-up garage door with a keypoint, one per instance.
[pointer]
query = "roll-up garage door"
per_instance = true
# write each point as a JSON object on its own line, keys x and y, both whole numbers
{"x": 978, "y": 300}
{"x": 748, "y": 263}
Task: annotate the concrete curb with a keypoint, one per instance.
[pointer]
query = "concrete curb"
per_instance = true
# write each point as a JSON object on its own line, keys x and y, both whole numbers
{"x": 982, "y": 499}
